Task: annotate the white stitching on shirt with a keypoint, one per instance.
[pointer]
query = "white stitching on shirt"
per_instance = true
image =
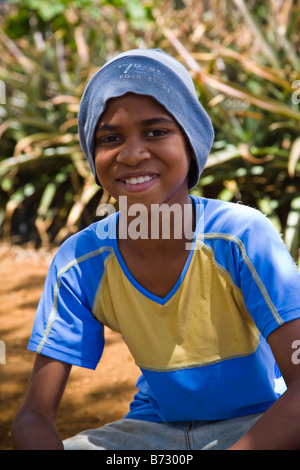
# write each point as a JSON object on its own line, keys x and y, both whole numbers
{"x": 252, "y": 269}
{"x": 57, "y": 287}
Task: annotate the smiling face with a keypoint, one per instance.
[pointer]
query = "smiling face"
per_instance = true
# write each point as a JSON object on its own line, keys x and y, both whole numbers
{"x": 141, "y": 152}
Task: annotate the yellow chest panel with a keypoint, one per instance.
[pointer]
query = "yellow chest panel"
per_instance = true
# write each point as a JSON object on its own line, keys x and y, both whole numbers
{"x": 205, "y": 321}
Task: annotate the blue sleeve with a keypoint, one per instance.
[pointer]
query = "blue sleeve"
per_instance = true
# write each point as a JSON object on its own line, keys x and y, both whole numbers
{"x": 64, "y": 327}
{"x": 248, "y": 247}
{"x": 269, "y": 278}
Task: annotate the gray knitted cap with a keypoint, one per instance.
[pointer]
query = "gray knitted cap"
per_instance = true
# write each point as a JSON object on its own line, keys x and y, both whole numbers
{"x": 153, "y": 73}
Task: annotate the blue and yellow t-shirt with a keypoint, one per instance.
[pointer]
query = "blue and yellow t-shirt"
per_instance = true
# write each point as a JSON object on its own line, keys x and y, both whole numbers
{"x": 202, "y": 349}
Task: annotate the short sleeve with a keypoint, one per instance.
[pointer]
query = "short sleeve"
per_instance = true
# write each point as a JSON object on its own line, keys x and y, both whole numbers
{"x": 248, "y": 247}
{"x": 269, "y": 278}
{"x": 64, "y": 327}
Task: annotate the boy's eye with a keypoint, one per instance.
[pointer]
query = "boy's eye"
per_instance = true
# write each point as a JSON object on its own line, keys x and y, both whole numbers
{"x": 156, "y": 133}
{"x": 108, "y": 139}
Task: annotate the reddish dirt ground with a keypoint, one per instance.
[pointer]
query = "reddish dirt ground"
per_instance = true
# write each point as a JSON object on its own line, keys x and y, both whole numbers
{"x": 92, "y": 398}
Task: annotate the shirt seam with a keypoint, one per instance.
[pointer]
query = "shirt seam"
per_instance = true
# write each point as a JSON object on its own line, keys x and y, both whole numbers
{"x": 204, "y": 363}
{"x": 57, "y": 286}
{"x": 49, "y": 347}
{"x": 251, "y": 268}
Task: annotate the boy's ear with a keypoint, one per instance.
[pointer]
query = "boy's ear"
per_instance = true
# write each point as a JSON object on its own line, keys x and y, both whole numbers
{"x": 192, "y": 171}
{"x": 193, "y": 165}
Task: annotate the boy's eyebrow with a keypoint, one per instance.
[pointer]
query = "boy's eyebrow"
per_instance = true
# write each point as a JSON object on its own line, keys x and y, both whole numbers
{"x": 106, "y": 127}
{"x": 157, "y": 120}
{"x": 147, "y": 122}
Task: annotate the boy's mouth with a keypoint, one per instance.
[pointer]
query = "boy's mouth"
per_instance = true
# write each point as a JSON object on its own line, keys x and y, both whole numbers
{"x": 138, "y": 182}
{"x": 138, "y": 179}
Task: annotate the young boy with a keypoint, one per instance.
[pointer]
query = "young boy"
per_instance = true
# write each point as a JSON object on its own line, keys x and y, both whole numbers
{"x": 208, "y": 311}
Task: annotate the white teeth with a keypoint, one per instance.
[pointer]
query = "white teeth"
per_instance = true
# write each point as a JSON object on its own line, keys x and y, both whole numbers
{"x": 139, "y": 179}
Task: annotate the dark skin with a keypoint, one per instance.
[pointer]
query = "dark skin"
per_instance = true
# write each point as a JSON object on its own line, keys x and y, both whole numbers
{"x": 155, "y": 264}
{"x": 279, "y": 427}
{"x": 34, "y": 427}
{"x": 136, "y": 136}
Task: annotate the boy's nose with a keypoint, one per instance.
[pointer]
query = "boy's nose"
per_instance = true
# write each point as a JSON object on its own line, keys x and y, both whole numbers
{"x": 133, "y": 152}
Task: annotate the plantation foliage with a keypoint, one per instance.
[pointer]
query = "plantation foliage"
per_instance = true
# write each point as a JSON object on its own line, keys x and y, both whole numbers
{"x": 244, "y": 58}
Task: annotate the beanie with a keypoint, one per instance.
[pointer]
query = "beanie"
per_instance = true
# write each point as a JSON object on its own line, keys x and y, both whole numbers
{"x": 154, "y": 73}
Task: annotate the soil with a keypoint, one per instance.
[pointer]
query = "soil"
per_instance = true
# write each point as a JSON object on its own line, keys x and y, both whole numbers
{"x": 91, "y": 398}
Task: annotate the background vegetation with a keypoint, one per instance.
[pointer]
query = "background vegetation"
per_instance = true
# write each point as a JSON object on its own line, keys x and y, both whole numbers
{"x": 243, "y": 57}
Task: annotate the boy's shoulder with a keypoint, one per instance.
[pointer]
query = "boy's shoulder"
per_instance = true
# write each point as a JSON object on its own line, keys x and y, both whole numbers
{"x": 96, "y": 238}
{"x": 235, "y": 218}
{"x": 231, "y": 208}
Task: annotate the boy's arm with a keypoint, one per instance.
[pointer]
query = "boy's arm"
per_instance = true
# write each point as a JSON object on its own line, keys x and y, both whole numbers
{"x": 34, "y": 426}
{"x": 279, "y": 427}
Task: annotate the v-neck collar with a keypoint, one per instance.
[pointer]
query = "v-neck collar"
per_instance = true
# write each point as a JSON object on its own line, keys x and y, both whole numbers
{"x": 130, "y": 277}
